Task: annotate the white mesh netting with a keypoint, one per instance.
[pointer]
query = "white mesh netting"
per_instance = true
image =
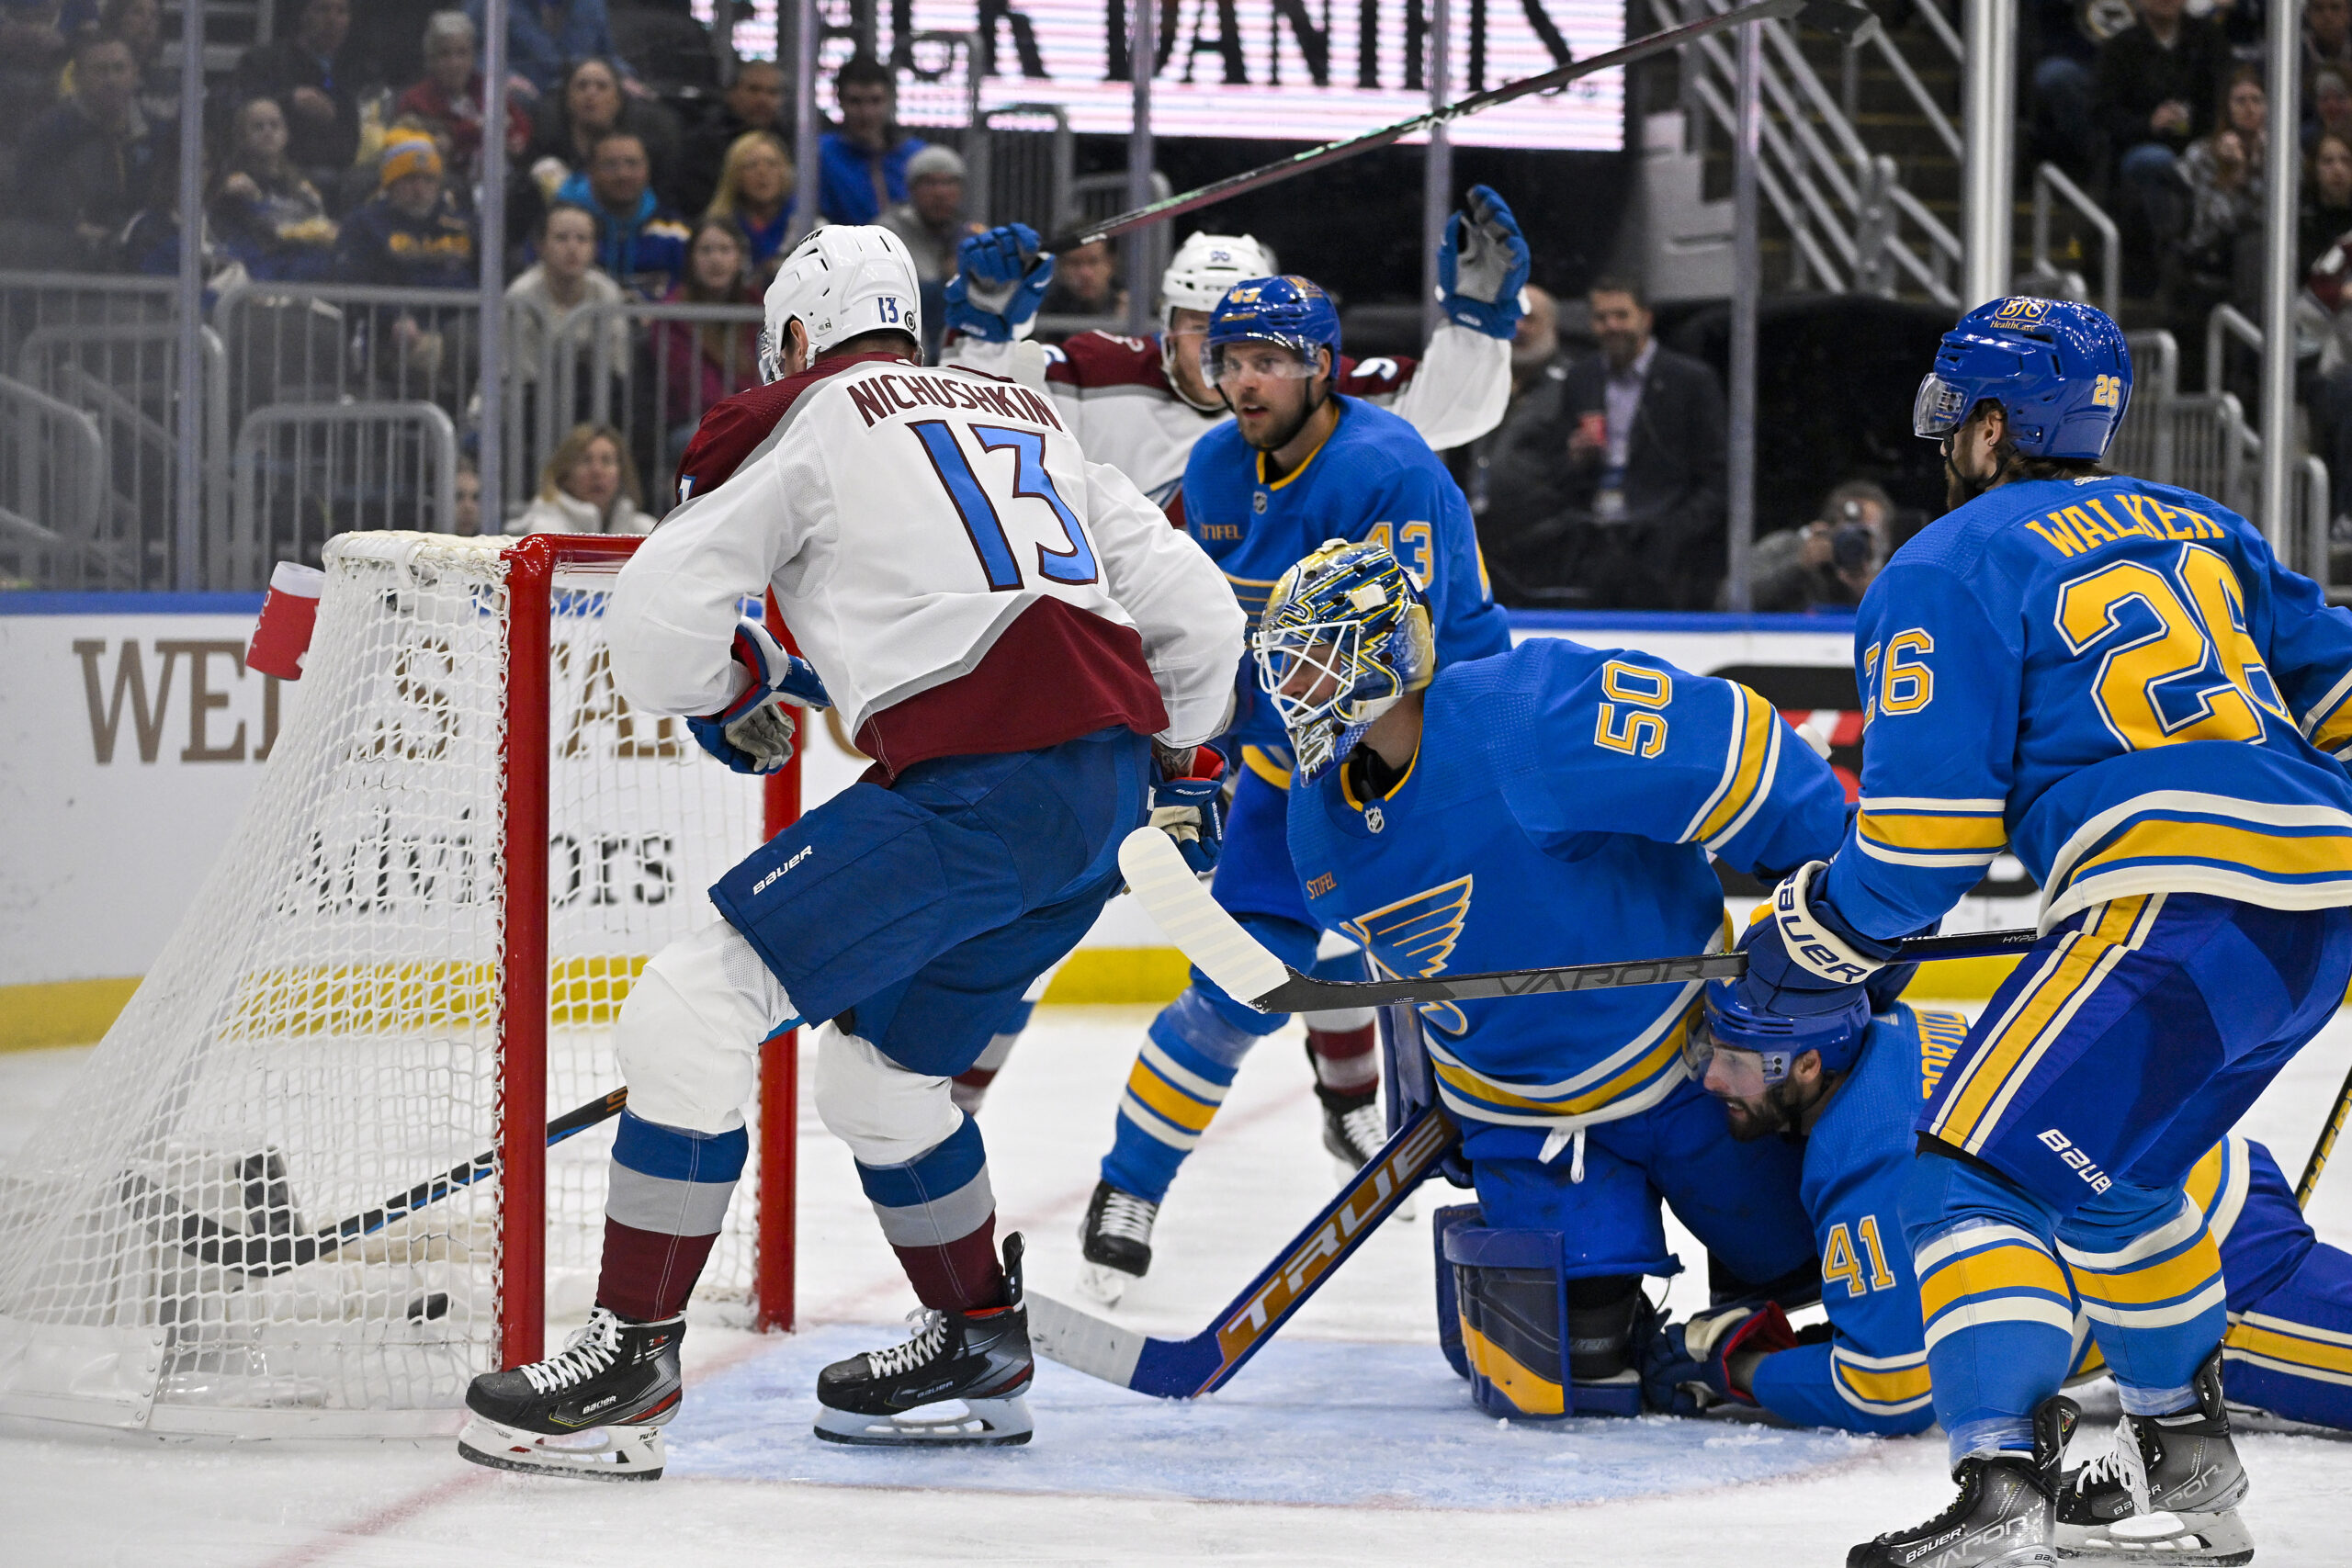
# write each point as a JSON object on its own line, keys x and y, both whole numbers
{"x": 322, "y": 1032}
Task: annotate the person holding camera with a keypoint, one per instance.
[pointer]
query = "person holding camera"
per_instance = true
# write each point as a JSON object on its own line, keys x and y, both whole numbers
{"x": 1831, "y": 560}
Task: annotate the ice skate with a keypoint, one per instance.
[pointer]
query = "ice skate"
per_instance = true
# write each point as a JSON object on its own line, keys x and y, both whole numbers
{"x": 2004, "y": 1517}
{"x": 1353, "y": 1130}
{"x": 978, "y": 1360}
{"x": 2168, "y": 1489}
{"x": 1114, "y": 1240}
{"x": 595, "y": 1408}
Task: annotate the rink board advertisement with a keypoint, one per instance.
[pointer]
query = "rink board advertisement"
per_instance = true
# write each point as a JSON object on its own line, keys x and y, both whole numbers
{"x": 131, "y": 734}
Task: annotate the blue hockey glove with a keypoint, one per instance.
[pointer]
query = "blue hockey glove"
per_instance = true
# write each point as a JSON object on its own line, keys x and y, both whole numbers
{"x": 753, "y": 734}
{"x": 1686, "y": 1367}
{"x": 1188, "y": 805}
{"x": 1482, "y": 266}
{"x": 1803, "y": 960}
{"x": 1000, "y": 278}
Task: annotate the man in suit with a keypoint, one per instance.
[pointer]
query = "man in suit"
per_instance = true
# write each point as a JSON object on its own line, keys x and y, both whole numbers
{"x": 1608, "y": 488}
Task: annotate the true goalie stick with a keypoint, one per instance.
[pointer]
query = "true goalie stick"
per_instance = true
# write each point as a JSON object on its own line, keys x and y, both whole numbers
{"x": 1240, "y": 964}
{"x": 1829, "y": 15}
{"x": 1186, "y": 1369}
{"x": 208, "y": 1241}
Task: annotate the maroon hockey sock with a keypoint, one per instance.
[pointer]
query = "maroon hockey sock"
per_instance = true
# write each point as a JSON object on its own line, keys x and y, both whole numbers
{"x": 1347, "y": 1061}
{"x": 962, "y": 1275}
{"x": 647, "y": 1275}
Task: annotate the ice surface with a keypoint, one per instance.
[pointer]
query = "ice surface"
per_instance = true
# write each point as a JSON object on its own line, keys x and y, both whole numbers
{"x": 1346, "y": 1441}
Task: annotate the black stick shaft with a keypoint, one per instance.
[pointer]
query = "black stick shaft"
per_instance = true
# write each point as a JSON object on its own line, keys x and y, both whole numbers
{"x": 2326, "y": 1146}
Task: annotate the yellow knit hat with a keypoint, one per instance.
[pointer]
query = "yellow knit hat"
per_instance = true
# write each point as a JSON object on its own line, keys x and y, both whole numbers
{"x": 408, "y": 153}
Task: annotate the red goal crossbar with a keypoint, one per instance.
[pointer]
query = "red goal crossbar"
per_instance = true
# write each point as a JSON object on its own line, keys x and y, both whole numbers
{"x": 532, "y": 565}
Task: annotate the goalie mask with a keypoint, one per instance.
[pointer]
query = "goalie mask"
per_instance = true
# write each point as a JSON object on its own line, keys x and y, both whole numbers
{"x": 1345, "y": 634}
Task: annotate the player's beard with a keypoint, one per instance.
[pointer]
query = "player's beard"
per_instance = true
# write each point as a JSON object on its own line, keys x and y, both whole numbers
{"x": 1279, "y": 436}
{"x": 1773, "y": 1111}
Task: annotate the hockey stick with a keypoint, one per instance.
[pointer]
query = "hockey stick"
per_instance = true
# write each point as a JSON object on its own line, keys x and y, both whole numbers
{"x": 1829, "y": 15}
{"x": 1240, "y": 964}
{"x": 210, "y": 1241}
{"x": 2326, "y": 1146}
{"x": 1186, "y": 1369}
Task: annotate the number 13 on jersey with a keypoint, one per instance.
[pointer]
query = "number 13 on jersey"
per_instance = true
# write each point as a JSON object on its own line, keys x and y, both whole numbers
{"x": 1072, "y": 567}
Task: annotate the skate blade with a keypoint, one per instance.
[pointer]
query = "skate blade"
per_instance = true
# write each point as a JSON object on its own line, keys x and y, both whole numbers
{"x": 600, "y": 1454}
{"x": 1102, "y": 1284}
{"x": 2161, "y": 1538}
{"x": 1348, "y": 1173}
{"x": 983, "y": 1423}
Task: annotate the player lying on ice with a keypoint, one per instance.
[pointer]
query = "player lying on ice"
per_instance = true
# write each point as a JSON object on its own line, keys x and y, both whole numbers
{"x": 1298, "y": 463}
{"x": 1849, "y": 1085}
{"x": 2120, "y": 683}
{"x": 1031, "y": 654}
{"x": 1142, "y": 405}
{"x": 1552, "y": 804}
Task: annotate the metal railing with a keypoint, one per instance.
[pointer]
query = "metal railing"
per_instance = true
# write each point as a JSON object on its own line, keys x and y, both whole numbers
{"x": 1021, "y": 159}
{"x": 53, "y": 512}
{"x": 2050, "y": 180}
{"x": 2227, "y": 323}
{"x": 676, "y": 365}
{"x": 308, "y": 471}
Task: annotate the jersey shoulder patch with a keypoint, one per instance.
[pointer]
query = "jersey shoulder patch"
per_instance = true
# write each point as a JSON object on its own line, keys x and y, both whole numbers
{"x": 1098, "y": 359}
{"x": 1377, "y": 377}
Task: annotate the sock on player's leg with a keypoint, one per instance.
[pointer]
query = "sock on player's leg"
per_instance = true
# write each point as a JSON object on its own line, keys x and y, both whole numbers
{"x": 969, "y": 1089}
{"x": 2150, "y": 1277}
{"x": 1346, "y": 1050}
{"x": 666, "y": 1200}
{"x": 1180, "y": 1078}
{"x": 939, "y": 1215}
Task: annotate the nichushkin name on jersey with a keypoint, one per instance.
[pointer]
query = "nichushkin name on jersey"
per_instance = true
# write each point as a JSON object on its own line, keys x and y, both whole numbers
{"x": 885, "y": 395}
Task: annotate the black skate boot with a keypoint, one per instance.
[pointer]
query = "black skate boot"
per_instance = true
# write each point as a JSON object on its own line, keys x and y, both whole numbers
{"x": 2003, "y": 1516}
{"x": 980, "y": 1358}
{"x": 595, "y": 1408}
{"x": 1114, "y": 1240}
{"x": 2168, "y": 1489}
{"x": 1353, "y": 1130}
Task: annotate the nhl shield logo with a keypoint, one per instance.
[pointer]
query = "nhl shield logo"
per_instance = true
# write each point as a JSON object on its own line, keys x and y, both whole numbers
{"x": 1373, "y": 819}
{"x": 1257, "y": 502}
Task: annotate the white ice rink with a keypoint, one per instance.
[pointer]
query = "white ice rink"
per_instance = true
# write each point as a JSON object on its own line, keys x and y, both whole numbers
{"x": 1348, "y": 1441}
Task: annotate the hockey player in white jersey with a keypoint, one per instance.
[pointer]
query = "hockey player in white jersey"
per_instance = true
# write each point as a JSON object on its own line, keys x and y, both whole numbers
{"x": 1031, "y": 654}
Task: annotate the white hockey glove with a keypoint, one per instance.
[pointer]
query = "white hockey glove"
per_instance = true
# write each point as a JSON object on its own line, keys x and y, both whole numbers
{"x": 1482, "y": 266}
{"x": 753, "y": 734}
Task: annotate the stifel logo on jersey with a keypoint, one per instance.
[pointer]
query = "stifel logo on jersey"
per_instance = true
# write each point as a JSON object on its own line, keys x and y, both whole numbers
{"x": 1376, "y": 1191}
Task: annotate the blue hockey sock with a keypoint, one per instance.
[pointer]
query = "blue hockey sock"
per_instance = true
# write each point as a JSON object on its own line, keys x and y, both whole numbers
{"x": 1995, "y": 1303}
{"x": 1180, "y": 1078}
{"x": 2150, "y": 1279}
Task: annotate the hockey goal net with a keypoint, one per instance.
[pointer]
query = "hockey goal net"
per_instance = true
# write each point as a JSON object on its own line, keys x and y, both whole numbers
{"x": 461, "y": 851}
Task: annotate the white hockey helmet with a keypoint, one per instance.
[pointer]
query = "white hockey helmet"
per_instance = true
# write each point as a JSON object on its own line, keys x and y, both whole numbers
{"x": 843, "y": 279}
{"x": 1206, "y": 265}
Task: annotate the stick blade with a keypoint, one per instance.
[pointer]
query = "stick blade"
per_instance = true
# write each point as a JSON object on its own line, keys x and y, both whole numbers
{"x": 1182, "y": 908}
{"x": 1059, "y": 1332}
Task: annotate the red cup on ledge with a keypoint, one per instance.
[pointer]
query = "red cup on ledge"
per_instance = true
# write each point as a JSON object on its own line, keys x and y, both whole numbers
{"x": 289, "y": 615}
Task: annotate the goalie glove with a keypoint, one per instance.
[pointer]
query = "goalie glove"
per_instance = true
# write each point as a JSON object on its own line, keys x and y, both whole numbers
{"x": 1482, "y": 266}
{"x": 1187, "y": 804}
{"x": 1803, "y": 959}
{"x": 1000, "y": 279}
{"x": 1686, "y": 1367}
{"x": 753, "y": 734}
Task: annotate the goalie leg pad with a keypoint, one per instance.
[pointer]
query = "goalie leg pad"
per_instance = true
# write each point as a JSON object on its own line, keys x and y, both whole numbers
{"x": 1537, "y": 1341}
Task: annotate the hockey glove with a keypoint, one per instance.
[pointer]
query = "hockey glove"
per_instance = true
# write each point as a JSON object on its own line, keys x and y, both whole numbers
{"x": 1000, "y": 278}
{"x": 753, "y": 734}
{"x": 1482, "y": 266}
{"x": 1686, "y": 1367}
{"x": 1803, "y": 960}
{"x": 1188, "y": 805}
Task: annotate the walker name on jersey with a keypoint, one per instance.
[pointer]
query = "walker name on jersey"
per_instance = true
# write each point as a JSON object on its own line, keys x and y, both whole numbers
{"x": 886, "y": 394}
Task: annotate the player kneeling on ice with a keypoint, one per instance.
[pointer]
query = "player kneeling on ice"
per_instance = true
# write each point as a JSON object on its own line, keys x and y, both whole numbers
{"x": 1554, "y": 804}
{"x": 1031, "y": 655}
{"x": 2119, "y": 682}
{"x": 1849, "y": 1084}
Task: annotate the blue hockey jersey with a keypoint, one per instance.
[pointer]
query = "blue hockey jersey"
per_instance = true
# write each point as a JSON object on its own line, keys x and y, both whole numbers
{"x": 1374, "y": 478}
{"x": 2118, "y": 680}
{"x": 1560, "y": 810}
{"x": 2289, "y": 1298}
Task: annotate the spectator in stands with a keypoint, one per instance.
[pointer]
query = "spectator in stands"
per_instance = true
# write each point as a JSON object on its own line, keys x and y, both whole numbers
{"x": 2062, "y": 130}
{"x": 703, "y": 362}
{"x": 588, "y": 487}
{"x": 412, "y": 235}
{"x": 541, "y": 302}
{"x": 754, "y": 194}
{"x": 449, "y": 99}
{"x": 1829, "y": 562}
{"x": 543, "y": 36}
{"x": 1535, "y": 343}
{"x": 2225, "y": 175}
{"x": 2328, "y": 43}
{"x": 863, "y": 165}
{"x": 1609, "y": 487}
{"x": 930, "y": 220}
{"x": 755, "y": 101}
{"x": 2326, "y": 308}
{"x": 2155, "y": 85}
{"x": 150, "y": 242}
{"x": 32, "y": 52}
{"x": 467, "y": 517}
{"x": 592, "y": 104}
{"x": 1086, "y": 283}
{"x": 305, "y": 71}
{"x": 83, "y": 168}
{"x": 2327, "y": 200}
{"x": 265, "y": 213}
{"x": 140, "y": 24}
{"x": 639, "y": 243}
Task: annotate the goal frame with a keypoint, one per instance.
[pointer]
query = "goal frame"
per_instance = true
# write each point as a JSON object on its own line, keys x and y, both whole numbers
{"x": 532, "y": 565}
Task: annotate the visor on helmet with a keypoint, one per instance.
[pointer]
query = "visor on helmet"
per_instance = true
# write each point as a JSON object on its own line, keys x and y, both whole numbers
{"x": 1286, "y": 361}
{"x": 1739, "y": 1074}
{"x": 1939, "y": 409}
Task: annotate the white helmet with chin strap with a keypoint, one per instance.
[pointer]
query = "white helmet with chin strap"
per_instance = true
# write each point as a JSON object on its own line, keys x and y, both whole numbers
{"x": 1203, "y": 268}
{"x": 843, "y": 280}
